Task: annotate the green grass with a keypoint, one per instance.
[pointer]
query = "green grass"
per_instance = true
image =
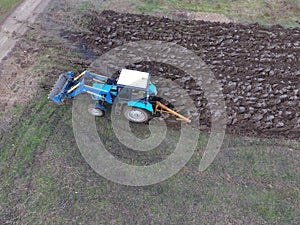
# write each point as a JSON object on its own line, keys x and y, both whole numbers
{"x": 45, "y": 179}
{"x": 85, "y": 6}
{"x": 42, "y": 171}
{"x": 6, "y": 6}
{"x": 267, "y": 12}
{"x": 270, "y": 206}
{"x": 149, "y": 6}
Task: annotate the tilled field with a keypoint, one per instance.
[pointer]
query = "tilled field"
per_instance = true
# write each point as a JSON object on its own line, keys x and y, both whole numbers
{"x": 257, "y": 67}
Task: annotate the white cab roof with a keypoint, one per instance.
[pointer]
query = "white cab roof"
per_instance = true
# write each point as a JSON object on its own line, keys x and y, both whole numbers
{"x": 133, "y": 78}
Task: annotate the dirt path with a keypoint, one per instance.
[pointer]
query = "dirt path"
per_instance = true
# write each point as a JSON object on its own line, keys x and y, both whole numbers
{"x": 16, "y": 84}
{"x": 17, "y": 23}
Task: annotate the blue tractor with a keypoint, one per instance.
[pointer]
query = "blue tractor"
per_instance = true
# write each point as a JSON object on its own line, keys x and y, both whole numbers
{"x": 133, "y": 90}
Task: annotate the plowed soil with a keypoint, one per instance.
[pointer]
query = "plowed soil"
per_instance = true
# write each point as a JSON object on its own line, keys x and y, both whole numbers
{"x": 257, "y": 66}
{"x": 46, "y": 180}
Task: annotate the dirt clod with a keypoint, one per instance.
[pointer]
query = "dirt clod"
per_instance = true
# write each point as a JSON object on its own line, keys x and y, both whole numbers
{"x": 257, "y": 66}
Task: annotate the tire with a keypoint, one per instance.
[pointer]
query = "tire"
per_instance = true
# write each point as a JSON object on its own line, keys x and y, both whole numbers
{"x": 136, "y": 115}
{"x": 95, "y": 111}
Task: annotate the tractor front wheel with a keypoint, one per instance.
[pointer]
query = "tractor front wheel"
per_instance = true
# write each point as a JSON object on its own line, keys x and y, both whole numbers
{"x": 95, "y": 111}
{"x": 136, "y": 115}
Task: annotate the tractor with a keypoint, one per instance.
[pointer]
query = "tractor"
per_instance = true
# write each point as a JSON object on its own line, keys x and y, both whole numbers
{"x": 132, "y": 92}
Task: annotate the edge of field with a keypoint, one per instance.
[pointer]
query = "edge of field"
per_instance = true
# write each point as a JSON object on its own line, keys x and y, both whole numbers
{"x": 46, "y": 180}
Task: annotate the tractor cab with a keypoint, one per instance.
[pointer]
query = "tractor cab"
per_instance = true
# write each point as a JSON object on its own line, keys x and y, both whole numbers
{"x": 135, "y": 85}
{"x": 134, "y": 89}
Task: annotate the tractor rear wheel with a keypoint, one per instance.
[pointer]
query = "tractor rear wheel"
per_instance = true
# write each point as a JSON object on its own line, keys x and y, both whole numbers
{"x": 95, "y": 111}
{"x": 136, "y": 115}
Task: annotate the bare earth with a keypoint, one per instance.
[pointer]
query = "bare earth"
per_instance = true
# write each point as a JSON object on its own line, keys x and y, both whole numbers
{"x": 17, "y": 23}
{"x": 45, "y": 179}
{"x": 16, "y": 85}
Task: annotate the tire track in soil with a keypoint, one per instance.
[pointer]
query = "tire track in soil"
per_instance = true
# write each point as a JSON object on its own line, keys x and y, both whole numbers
{"x": 15, "y": 84}
{"x": 17, "y": 23}
{"x": 257, "y": 66}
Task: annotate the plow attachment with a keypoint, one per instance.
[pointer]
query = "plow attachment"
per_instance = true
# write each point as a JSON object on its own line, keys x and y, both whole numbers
{"x": 161, "y": 108}
{"x": 68, "y": 86}
{"x": 61, "y": 87}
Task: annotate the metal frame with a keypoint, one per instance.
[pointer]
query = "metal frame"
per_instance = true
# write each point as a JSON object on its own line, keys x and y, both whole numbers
{"x": 72, "y": 86}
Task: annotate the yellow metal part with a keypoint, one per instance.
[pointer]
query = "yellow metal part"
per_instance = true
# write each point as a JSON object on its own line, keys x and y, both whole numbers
{"x": 99, "y": 81}
{"x": 168, "y": 110}
{"x": 79, "y": 76}
{"x": 91, "y": 93}
{"x": 73, "y": 88}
